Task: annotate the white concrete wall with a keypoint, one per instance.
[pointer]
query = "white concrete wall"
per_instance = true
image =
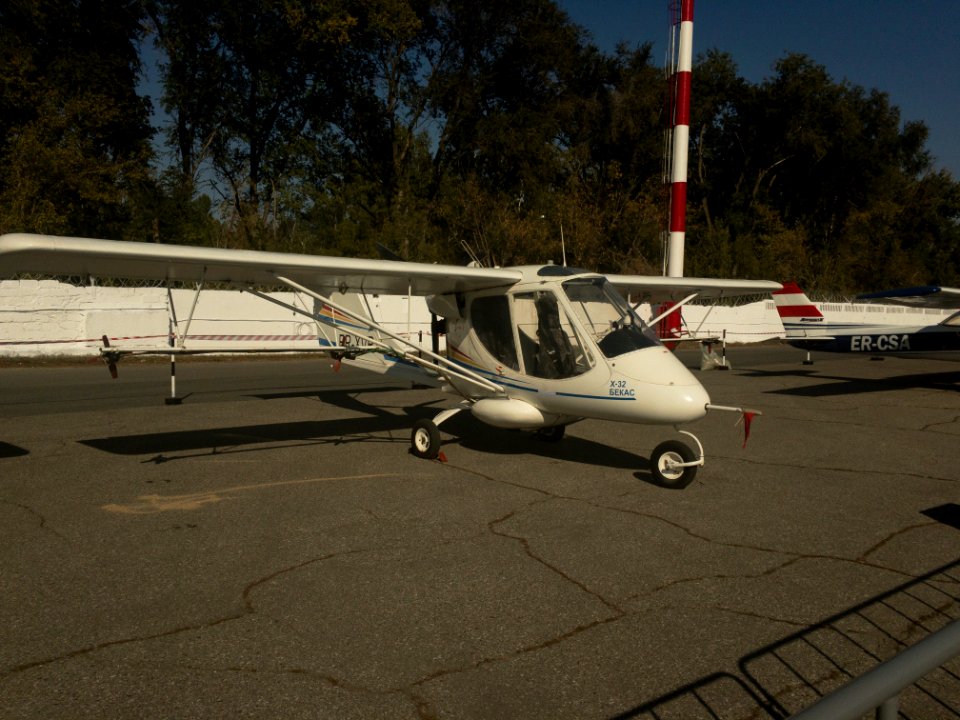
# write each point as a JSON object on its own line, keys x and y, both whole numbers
{"x": 44, "y": 318}
{"x": 749, "y": 323}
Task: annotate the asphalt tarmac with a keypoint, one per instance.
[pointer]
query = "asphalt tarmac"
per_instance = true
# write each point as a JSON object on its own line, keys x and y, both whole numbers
{"x": 269, "y": 548}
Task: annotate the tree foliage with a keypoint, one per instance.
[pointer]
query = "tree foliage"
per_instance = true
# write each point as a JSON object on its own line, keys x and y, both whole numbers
{"x": 451, "y": 130}
{"x": 74, "y": 134}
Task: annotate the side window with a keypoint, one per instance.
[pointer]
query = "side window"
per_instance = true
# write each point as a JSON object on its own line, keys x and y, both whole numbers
{"x": 548, "y": 343}
{"x": 491, "y": 321}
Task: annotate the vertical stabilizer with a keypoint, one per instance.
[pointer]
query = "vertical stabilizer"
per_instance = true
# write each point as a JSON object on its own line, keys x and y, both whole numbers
{"x": 796, "y": 312}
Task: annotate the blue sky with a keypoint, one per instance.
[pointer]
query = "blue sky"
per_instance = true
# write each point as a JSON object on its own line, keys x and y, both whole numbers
{"x": 909, "y": 49}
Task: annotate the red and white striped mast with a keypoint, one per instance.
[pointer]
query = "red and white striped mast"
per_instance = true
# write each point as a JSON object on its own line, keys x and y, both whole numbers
{"x": 680, "y": 91}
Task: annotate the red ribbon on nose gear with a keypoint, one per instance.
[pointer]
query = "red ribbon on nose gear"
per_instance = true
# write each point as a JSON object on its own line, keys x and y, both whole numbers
{"x": 746, "y": 419}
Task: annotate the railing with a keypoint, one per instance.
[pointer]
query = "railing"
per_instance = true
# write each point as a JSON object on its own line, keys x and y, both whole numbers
{"x": 880, "y": 688}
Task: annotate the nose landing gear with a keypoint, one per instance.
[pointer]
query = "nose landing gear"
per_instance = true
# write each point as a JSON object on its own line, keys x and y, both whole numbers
{"x": 673, "y": 463}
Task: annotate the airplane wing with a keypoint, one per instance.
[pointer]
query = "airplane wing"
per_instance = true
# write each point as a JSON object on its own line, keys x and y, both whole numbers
{"x": 663, "y": 289}
{"x": 927, "y": 296}
{"x": 52, "y": 255}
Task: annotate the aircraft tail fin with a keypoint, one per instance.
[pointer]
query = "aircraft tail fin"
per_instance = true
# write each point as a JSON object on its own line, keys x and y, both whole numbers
{"x": 354, "y": 322}
{"x": 795, "y": 309}
{"x": 346, "y": 329}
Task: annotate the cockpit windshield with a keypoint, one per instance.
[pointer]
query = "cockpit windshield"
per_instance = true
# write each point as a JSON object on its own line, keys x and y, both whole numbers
{"x": 607, "y": 317}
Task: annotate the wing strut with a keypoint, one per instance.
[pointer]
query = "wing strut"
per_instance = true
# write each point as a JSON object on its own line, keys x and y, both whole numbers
{"x": 176, "y": 338}
{"x": 442, "y": 365}
{"x": 176, "y": 334}
{"x": 672, "y": 309}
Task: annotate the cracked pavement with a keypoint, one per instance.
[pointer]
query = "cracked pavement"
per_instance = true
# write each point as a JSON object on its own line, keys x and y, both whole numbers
{"x": 269, "y": 548}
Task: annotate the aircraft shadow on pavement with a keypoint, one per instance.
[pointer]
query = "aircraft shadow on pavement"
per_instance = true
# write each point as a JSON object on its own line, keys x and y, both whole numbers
{"x": 8, "y": 451}
{"x": 846, "y": 385}
{"x": 948, "y": 514}
{"x": 470, "y": 433}
{"x": 180, "y": 444}
{"x": 789, "y": 675}
{"x": 376, "y": 424}
{"x": 183, "y": 444}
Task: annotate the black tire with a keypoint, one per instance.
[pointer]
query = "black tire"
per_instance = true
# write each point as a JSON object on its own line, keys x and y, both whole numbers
{"x": 669, "y": 452}
{"x": 551, "y": 434}
{"x": 425, "y": 439}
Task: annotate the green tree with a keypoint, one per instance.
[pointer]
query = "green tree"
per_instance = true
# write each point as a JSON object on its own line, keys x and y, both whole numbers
{"x": 244, "y": 86}
{"x": 453, "y": 130}
{"x": 74, "y": 135}
{"x": 802, "y": 177}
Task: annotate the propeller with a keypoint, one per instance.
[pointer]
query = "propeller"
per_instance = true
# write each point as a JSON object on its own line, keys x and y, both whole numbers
{"x": 110, "y": 358}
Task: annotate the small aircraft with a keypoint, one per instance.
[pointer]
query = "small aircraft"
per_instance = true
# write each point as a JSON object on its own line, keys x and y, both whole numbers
{"x": 533, "y": 348}
{"x": 807, "y": 328}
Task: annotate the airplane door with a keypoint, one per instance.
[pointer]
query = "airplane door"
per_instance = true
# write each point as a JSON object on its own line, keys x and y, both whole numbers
{"x": 550, "y": 347}
{"x": 490, "y": 317}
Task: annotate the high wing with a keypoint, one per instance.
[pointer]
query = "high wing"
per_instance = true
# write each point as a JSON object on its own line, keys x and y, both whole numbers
{"x": 47, "y": 254}
{"x": 927, "y": 296}
{"x": 657, "y": 289}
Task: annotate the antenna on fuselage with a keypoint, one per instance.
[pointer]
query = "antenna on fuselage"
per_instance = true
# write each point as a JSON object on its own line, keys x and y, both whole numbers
{"x": 563, "y": 246}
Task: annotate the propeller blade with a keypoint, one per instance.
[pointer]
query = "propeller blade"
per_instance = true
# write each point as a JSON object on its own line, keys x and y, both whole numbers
{"x": 110, "y": 358}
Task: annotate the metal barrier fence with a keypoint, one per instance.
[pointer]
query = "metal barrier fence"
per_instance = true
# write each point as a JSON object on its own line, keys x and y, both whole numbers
{"x": 880, "y": 688}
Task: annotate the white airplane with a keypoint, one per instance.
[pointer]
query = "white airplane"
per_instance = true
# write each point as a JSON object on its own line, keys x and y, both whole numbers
{"x": 535, "y": 348}
{"x": 807, "y": 328}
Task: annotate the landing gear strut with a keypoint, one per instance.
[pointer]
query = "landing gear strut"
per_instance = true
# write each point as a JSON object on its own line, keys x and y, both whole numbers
{"x": 554, "y": 433}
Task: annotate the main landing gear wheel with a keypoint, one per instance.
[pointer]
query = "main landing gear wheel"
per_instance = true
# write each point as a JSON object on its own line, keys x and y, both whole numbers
{"x": 666, "y": 464}
{"x": 425, "y": 439}
{"x": 551, "y": 434}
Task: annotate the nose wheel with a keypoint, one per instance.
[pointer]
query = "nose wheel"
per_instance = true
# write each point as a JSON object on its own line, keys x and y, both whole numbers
{"x": 673, "y": 463}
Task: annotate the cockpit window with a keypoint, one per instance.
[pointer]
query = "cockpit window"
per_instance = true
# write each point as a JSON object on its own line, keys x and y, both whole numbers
{"x": 607, "y": 317}
{"x": 549, "y": 345}
{"x": 491, "y": 321}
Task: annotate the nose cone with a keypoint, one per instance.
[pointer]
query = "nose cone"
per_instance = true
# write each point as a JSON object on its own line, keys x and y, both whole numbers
{"x": 667, "y": 390}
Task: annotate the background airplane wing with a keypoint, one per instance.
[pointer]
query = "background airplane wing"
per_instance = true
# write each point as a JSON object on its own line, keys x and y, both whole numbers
{"x": 931, "y": 296}
{"x": 662, "y": 289}
{"x": 69, "y": 256}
